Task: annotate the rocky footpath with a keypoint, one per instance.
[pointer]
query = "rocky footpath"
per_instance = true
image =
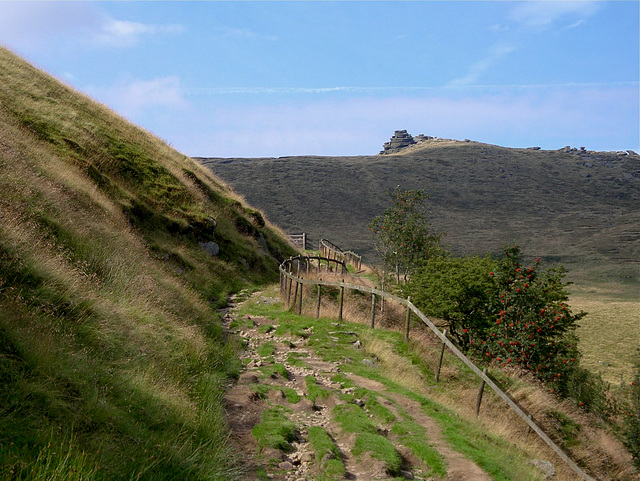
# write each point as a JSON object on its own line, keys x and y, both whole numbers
{"x": 286, "y": 378}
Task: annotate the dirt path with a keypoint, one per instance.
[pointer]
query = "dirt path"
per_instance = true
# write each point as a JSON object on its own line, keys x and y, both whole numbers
{"x": 308, "y": 393}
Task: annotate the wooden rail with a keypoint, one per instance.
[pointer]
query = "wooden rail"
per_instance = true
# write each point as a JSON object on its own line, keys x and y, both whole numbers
{"x": 287, "y": 278}
{"x": 330, "y": 250}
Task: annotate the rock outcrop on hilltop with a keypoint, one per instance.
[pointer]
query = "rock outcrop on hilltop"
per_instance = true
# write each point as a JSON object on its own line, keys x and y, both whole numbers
{"x": 400, "y": 140}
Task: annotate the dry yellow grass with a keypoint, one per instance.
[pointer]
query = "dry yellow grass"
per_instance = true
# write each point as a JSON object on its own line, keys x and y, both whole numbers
{"x": 609, "y": 334}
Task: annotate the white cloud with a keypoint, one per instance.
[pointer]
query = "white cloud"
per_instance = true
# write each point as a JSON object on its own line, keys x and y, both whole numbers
{"x": 122, "y": 33}
{"x": 134, "y": 98}
{"x": 41, "y": 26}
{"x": 543, "y": 13}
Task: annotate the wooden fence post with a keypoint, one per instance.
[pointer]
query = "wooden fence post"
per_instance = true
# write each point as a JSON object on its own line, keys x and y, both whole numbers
{"x": 373, "y": 310}
{"x": 341, "y": 302}
{"x": 479, "y": 400}
{"x": 382, "y": 297}
{"x": 407, "y": 321}
{"x": 300, "y": 301}
{"x": 444, "y": 333}
{"x": 295, "y": 295}
{"x": 289, "y": 285}
{"x": 318, "y": 303}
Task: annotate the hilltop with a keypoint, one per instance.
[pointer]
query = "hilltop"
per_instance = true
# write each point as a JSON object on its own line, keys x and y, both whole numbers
{"x": 115, "y": 253}
{"x": 571, "y": 205}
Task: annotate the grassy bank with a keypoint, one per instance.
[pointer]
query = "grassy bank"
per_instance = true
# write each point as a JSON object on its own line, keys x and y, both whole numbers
{"x": 112, "y": 358}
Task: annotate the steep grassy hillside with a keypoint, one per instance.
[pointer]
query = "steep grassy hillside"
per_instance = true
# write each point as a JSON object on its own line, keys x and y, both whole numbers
{"x": 581, "y": 208}
{"x": 112, "y": 358}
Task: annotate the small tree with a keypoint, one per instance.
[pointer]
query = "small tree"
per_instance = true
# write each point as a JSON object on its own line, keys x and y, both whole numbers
{"x": 403, "y": 232}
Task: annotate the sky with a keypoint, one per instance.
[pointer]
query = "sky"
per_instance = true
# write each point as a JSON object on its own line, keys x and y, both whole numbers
{"x": 269, "y": 79}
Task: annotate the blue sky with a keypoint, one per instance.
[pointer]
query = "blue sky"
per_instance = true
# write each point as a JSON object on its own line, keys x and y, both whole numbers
{"x": 253, "y": 79}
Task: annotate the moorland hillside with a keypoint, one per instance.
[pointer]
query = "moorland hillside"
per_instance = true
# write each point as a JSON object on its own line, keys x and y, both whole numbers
{"x": 572, "y": 205}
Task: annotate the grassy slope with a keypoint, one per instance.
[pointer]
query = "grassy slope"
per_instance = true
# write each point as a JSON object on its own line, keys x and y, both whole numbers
{"x": 112, "y": 360}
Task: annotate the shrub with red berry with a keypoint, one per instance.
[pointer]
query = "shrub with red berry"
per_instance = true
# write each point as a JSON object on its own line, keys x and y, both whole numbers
{"x": 532, "y": 325}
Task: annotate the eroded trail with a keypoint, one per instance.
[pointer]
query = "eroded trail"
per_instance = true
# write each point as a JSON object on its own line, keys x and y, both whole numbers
{"x": 345, "y": 426}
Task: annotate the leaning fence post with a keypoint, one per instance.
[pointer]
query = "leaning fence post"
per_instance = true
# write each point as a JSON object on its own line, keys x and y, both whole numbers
{"x": 444, "y": 333}
{"x": 289, "y": 285}
{"x": 341, "y": 300}
{"x": 407, "y": 321}
{"x": 479, "y": 400}
{"x": 318, "y": 302}
{"x": 373, "y": 310}
{"x": 528, "y": 426}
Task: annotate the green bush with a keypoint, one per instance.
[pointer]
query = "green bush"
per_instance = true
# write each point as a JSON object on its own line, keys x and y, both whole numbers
{"x": 458, "y": 290}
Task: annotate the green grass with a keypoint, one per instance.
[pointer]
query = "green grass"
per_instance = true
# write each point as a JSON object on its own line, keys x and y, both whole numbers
{"x": 414, "y": 436}
{"x": 275, "y": 430}
{"x": 274, "y": 370}
{"x": 266, "y": 328}
{"x": 327, "y": 455}
{"x": 567, "y": 429}
{"x": 267, "y": 349}
{"x": 377, "y": 410}
{"x": 353, "y": 419}
{"x": 261, "y": 391}
{"x": 380, "y": 448}
{"x": 296, "y": 359}
{"x": 314, "y": 390}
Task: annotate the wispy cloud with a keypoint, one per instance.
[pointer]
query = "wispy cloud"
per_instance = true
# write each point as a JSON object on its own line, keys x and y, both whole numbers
{"x": 575, "y": 24}
{"x": 244, "y": 33}
{"x": 494, "y": 55}
{"x": 395, "y": 90}
{"x": 542, "y": 14}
